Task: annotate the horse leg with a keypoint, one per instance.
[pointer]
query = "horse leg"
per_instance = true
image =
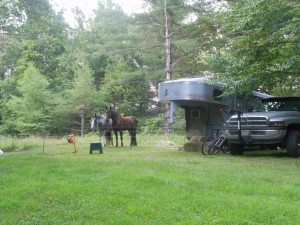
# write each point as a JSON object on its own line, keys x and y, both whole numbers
{"x": 116, "y": 134}
{"x": 110, "y": 140}
{"x": 105, "y": 138}
{"x": 105, "y": 141}
{"x": 131, "y": 137}
{"x": 108, "y": 137}
{"x": 100, "y": 137}
{"x": 134, "y": 138}
{"x": 121, "y": 137}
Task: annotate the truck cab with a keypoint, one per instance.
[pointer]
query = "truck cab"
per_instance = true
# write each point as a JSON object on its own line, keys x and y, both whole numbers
{"x": 274, "y": 123}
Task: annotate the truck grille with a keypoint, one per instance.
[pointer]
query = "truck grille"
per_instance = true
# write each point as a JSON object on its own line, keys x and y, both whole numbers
{"x": 249, "y": 121}
{"x": 251, "y": 133}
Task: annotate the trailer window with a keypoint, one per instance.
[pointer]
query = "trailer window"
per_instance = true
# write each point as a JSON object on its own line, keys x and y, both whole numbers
{"x": 217, "y": 94}
{"x": 196, "y": 113}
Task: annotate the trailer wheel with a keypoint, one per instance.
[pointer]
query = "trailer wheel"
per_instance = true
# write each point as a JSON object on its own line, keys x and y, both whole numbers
{"x": 293, "y": 144}
{"x": 236, "y": 149}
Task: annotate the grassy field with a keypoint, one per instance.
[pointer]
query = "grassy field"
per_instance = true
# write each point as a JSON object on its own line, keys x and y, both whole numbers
{"x": 154, "y": 183}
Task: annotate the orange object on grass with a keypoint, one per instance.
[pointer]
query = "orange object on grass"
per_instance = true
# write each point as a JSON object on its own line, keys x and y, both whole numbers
{"x": 71, "y": 139}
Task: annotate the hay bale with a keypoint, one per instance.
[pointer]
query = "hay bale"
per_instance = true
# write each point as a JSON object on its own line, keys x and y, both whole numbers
{"x": 194, "y": 145}
{"x": 197, "y": 139}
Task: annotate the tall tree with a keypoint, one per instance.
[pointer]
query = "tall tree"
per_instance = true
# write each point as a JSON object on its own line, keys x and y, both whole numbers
{"x": 82, "y": 97}
{"x": 39, "y": 36}
{"x": 34, "y": 36}
{"x": 127, "y": 88}
{"x": 169, "y": 31}
{"x": 191, "y": 26}
{"x": 106, "y": 37}
{"x": 262, "y": 51}
{"x": 28, "y": 112}
{"x": 112, "y": 54}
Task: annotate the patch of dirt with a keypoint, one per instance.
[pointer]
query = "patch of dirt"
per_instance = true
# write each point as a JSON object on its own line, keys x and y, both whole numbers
{"x": 165, "y": 144}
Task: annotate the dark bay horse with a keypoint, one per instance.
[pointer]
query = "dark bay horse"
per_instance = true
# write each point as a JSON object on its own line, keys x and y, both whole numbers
{"x": 122, "y": 123}
{"x": 104, "y": 125}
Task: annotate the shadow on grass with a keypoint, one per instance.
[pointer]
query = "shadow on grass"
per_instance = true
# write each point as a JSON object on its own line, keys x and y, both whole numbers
{"x": 265, "y": 153}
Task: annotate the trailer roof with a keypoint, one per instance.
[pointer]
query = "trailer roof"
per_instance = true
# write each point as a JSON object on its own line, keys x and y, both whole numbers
{"x": 281, "y": 98}
{"x": 193, "y": 80}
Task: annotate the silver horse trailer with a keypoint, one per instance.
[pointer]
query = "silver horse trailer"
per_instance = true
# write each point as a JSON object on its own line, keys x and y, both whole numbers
{"x": 202, "y": 101}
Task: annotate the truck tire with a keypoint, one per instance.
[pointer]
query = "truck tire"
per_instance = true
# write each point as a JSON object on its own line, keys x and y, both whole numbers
{"x": 293, "y": 144}
{"x": 236, "y": 149}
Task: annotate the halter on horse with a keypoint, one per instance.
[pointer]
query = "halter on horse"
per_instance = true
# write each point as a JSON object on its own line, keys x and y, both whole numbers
{"x": 105, "y": 128}
{"x": 121, "y": 123}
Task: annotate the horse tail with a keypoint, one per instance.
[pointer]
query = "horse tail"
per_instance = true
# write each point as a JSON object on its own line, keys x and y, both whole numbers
{"x": 136, "y": 122}
{"x": 133, "y": 131}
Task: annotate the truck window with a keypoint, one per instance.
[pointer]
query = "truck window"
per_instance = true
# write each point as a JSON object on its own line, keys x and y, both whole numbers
{"x": 272, "y": 106}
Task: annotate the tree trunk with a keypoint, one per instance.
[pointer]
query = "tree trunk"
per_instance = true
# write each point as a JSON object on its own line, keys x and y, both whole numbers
{"x": 82, "y": 123}
{"x": 168, "y": 45}
{"x": 168, "y": 127}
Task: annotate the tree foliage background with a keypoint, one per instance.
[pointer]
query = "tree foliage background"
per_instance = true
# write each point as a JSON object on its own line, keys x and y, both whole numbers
{"x": 261, "y": 48}
{"x": 53, "y": 77}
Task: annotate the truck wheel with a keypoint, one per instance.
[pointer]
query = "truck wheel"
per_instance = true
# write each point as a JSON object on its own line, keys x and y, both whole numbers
{"x": 293, "y": 144}
{"x": 236, "y": 149}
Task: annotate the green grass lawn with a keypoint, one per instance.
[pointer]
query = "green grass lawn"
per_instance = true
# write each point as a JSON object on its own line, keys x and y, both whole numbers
{"x": 147, "y": 184}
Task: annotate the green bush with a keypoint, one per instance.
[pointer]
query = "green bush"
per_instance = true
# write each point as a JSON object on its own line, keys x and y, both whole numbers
{"x": 153, "y": 126}
{"x": 156, "y": 125}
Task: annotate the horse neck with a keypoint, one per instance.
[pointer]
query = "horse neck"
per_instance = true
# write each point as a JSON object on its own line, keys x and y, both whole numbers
{"x": 103, "y": 123}
{"x": 101, "y": 120}
{"x": 109, "y": 122}
{"x": 115, "y": 117}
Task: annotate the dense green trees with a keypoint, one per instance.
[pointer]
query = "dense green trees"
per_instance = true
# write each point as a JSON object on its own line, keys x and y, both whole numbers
{"x": 53, "y": 77}
{"x": 29, "y": 111}
{"x": 33, "y": 38}
{"x": 262, "y": 47}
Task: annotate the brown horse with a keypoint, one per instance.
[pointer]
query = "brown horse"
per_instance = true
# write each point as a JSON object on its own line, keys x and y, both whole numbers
{"x": 122, "y": 123}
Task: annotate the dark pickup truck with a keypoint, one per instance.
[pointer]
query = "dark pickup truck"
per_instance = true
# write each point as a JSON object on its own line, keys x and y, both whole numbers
{"x": 274, "y": 123}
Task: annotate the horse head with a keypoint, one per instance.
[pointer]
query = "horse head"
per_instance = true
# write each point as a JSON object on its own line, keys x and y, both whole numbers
{"x": 98, "y": 121}
{"x": 111, "y": 114}
{"x": 94, "y": 122}
{"x": 102, "y": 121}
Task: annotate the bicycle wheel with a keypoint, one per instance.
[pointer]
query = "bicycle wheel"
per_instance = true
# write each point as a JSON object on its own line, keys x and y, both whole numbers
{"x": 206, "y": 145}
{"x": 216, "y": 146}
{"x": 226, "y": 148}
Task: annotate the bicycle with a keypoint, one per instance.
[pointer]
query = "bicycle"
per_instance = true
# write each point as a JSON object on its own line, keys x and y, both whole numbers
{"x": 213, "y": 145}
